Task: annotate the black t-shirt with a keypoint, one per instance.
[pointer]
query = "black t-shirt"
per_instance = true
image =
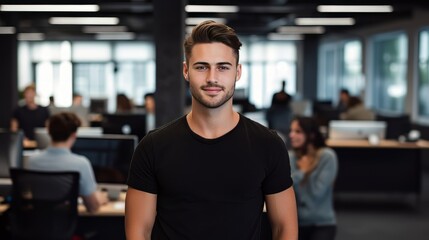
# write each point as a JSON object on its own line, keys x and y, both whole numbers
{"x": 210, "y": 188}
{"x": 28, "y": 119}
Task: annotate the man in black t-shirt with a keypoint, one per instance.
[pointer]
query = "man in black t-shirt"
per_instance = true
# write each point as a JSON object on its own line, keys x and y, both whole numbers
{"x": 207, "y": 175}
{"x": 30, "y": 115}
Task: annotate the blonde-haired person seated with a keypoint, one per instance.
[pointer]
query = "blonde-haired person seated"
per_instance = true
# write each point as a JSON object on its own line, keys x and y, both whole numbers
{"x": 62, "y": 128}
{"x": 356, "y": 110}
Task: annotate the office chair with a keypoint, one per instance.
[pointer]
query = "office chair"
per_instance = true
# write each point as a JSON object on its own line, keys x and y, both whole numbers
{"x": 44, "y": 204}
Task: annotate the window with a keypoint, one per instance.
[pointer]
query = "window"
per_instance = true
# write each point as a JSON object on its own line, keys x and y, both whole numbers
{"x": 95, "y": 69}
{"x": 270, "y": 62}
{"x": 423, "y": 76}
{"x": 340, "y": 67}
{"x": 389, "y": 71}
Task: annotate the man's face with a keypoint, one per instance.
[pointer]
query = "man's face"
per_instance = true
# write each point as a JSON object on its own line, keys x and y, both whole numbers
{"x": 29, "y": 96}
{"x": 212, "y": 72}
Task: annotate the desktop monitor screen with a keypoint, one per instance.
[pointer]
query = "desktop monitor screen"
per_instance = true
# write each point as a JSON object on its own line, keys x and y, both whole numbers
{"x": 110, "y": 155}
{"x": 124, "y": 123}
{"x": 10, "y": 151}
{"x": 98, "y": 105}
{"x": 341, "y": 129}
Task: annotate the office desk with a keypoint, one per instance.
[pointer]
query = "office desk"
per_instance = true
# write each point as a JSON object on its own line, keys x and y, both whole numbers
{"x": 112, "y": 209}
{"x": 389, "y": 167}
{"x": 107, "y": 223}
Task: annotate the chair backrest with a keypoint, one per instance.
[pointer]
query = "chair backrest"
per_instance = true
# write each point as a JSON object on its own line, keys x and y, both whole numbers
{"x": 44, "y": 204}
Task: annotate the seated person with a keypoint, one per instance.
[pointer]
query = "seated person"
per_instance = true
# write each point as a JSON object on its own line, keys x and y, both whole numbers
{"x": 357, "y": 111}
{"x": 62, "y": 128}
{"x": 314, "y": 168}
{"x": 29, "y": 116}
{"x": 344, "y": 100}
{"x": 81, "y": 111}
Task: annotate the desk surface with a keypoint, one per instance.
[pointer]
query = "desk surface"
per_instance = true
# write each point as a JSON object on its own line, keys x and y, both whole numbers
{"x": 110, "y": 209}
{"x": 421, "y": 144}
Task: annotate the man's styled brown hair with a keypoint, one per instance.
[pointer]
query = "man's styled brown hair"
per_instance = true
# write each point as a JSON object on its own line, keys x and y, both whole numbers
{"x": 211, "y": 31}
{"x": 62, "y": 125}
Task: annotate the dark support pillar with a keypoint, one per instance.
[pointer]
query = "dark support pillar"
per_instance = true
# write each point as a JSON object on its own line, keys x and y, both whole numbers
{"x": 309, "y": 69}
{"x": 8, "y": 78}
{"x": 169, "y": 35}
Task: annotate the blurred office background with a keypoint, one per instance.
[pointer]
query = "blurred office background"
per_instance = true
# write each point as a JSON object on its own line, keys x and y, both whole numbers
{"x": 379, "y": 53}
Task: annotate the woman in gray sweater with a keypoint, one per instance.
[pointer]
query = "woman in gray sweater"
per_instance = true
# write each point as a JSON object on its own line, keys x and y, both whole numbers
{"x": 314, "y": 169}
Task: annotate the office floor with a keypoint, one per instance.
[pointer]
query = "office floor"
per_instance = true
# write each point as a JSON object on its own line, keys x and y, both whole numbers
{"x": 393, "y": 217}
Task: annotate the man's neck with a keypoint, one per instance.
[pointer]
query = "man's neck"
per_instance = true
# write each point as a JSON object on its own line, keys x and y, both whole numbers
{"x": 212, "y": 123}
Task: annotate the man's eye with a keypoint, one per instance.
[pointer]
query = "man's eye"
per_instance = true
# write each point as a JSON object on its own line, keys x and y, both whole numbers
{"x": 200, "y": 67}
{"x": 223, "y": 68}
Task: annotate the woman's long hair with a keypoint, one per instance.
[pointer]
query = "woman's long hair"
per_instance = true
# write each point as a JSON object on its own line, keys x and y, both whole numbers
{"x": 312, "y": 133}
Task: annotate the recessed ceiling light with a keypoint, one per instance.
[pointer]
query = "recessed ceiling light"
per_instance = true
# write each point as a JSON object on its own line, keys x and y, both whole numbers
{"x": 301, "y": 30}
{"x": 355, "y": 8}
{"x": 31, "y": 36}
{"x": 284, "y": 37}
{"x": 84, "y": 20}
{"x": 212, "y": 8}
{"x": 197, "y": 20}
{"x": 324, "y": 21}
{"x": 7, "y": 30}
{"x": 49, "y": 8}
{"x": 115, "y": 36}
{"x": 98, "y": 29}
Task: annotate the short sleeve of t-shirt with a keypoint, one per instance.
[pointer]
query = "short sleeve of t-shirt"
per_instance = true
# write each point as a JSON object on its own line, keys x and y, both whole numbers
{"x": 278, "y": 169}
{"x": 141, "y": 174}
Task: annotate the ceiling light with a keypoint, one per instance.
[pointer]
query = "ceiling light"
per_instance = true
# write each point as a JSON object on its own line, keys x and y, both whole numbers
{"x": 197, "y": 20}
{"x": 49, "y": 8}
{"x": 355, "y": 8}
{"x": 324, "y": 21}
{"x": 104, "y": 29}
{"x": 283, "y": 37}
{"x": 301, "y": 30}
{"x": 31, "y": 36}
{"x": 7, "y": 30}
{"x": 212, "y": 8}
{"x": 84, "y": 20}
{"x": 115, "y": 36}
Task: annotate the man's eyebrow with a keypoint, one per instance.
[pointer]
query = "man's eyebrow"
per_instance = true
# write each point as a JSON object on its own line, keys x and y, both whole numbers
{"x": 206, "y": 63}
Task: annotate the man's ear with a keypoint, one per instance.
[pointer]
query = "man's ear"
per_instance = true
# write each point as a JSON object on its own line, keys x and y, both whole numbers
{"x": 185, "y": 71}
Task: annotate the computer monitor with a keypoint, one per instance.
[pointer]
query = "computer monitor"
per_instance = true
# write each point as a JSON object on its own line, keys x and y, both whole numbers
{"x": 342, "y": 129}
{"x": 110, "y": 156}
{"x": 43, "y": 140}
{"x": 98, "y": 105}
{"x": 124, "y": 123}
{"x": 11, "y": 151}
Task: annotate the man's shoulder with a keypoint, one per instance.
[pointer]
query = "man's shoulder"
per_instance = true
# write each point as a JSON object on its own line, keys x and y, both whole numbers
{"x": 259, "y": 131}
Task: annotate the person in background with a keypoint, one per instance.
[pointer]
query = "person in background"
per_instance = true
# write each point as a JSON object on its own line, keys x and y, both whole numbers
{"x": 343, "y": 101}
{"x": 356, "y": 110}
{"x": 123, "y": 104}
{"x": 207, "y": 174}
{"x": 62, "y": 128}
{"x": 149, "y": 102}
{"x": 281, "y": 98}
{"x": 314, "y": 170}
{"x": 29, "y": 116}
{"x": 280, "y": 113}
{"x": 149, "y": 106}
{"x": 81, "y": 111}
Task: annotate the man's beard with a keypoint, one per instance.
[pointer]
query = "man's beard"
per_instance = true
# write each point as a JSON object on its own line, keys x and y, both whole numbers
{"x": 197, "y": 95}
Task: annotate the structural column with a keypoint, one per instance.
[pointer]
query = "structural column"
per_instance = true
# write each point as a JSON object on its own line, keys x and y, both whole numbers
{"x": 8, "y": 78}
{"x": 169, "y": 32}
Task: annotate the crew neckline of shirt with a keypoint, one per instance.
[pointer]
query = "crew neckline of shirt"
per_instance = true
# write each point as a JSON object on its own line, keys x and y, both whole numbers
{"x": 58, "y": 149}
{"x": 212, "y": 140}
